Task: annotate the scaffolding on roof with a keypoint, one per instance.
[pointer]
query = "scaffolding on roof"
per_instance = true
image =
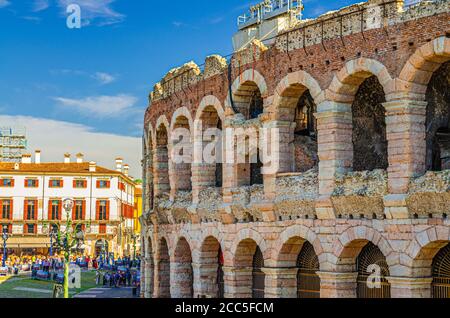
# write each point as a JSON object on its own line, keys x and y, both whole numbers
{"x": 269, "y": 9}
{"x": 13, "y": 143}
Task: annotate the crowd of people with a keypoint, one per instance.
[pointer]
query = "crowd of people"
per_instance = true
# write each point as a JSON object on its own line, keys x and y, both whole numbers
{"x": 17, "y": 263}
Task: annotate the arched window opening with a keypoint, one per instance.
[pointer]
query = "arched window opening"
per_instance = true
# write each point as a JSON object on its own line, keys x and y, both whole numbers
{"x": 305, "y": 134}
{"x": 308, "y": 282}
{"x": 182, "y": 166}
{"x": 219, "y": 158}
{"x": 164, "y": 270}
{"x": 162, "y": 161}
{"x": 369, "y": 127}
{"x": 256, "y": 105}
{"x": 258, "y": 283}
{"x": 441, "y": 274}
{"x": 248, "y": 100}
{"x": 438, "y": 120}
{"x": 372, "y": 272}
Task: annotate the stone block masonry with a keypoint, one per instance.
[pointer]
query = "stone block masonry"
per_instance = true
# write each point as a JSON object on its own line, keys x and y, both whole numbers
{"x": 362, "y": 175}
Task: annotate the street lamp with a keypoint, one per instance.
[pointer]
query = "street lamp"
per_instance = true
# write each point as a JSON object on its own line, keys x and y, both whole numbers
{"x": 134, "y": 237}
{"x": 66, "y": 240}
{"x": 5, "y": 237}
{"x": 53, "y": 235}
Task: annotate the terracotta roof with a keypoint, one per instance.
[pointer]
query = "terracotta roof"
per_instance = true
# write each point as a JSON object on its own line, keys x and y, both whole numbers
{"x": 7, "y": 167}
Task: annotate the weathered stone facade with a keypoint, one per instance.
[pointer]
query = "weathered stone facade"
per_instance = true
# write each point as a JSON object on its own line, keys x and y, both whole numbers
{"x": 372, "y": 70}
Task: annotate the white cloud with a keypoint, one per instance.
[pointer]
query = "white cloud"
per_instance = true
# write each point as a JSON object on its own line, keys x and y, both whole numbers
{"x": 102, "y": 106}
{"x": 4, "y": 3}
{"x": 103, "y": 78}
{"x": 99, "y": 10}
{"x": 54, "y": 138}
{"x": 40, "y": 5}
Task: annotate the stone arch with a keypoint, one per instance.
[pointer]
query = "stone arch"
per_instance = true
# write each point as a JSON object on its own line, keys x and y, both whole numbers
{"x": 181, "y": 112}
{"x": 243, "y": 88}
{"x": 359, "y": 92}
{"x": 419, "y": 68}
{"x": 350, "y": 243}
{"x": 211, "y": 261}
{"x": 181, "y": 273}
{"x": 208, "y": 173}
{"x": 163, "y": 269}
{"x": 290, "y": 89}
{"x": 149, "y": 146}
{"x": 346, "y": 82}
{"x": 180, "y": 145}
{"x": 297, "y": 251}
{"x": 161, "y": 171}
{"x": 423, "y": 248}
{"x": 294, "y": 105}
{"x": 246, "y": 235}
{"x": 207, "y": 101}
{"x": 289, "y": 244}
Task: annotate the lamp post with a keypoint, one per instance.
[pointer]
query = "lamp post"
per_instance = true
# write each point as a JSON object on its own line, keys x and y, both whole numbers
{"x": 5, "y": 237}
{"x": 53, "y": 235}
{"x": 134, "y": 237}
{"x": 66, "y": 240}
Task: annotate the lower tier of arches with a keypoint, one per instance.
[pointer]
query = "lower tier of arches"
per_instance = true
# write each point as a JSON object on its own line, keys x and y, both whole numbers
{"x": 298, "y": 259}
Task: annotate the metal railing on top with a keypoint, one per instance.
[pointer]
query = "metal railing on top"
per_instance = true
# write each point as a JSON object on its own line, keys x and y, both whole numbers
{"x": 268, "y": 10}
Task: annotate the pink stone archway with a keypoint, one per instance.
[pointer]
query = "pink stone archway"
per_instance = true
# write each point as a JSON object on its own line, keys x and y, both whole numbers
{"x": 290, "y": 89}
{"x": 181, "y": 271}
{"x": 348, "y": 245}
{"x": 346, "y": 82}
{"x": 423, "y": 248}
{"x": 246, "y": 235}
{"x": 419, "y": 69}
{"x": 285, "y": 250}
{"x": 249, "y": 75}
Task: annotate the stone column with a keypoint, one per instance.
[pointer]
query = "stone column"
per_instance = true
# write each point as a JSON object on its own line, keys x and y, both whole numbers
{"x": 162, "y": 184}
{"x": 205, "y": 278}
{"x": 335, "y": 150}
{"x": 338, "y": 285}
{"x": 238, "y": 282}
{"x": 410, "y": 287}
{"x": 281, "y": 282}
{"x": 181, "y": 280}
{"x": 143, "y": 281}
{"x": 405, "y": 132}
{"x": 148, "y": 274}
{"x": 276, "y": 145}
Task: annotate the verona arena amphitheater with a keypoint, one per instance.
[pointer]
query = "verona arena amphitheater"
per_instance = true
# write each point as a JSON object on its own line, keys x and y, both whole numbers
{"x": 361, "y": 99}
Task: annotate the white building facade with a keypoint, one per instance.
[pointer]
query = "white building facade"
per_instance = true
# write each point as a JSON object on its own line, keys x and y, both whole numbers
{"x": 31, "y": 196}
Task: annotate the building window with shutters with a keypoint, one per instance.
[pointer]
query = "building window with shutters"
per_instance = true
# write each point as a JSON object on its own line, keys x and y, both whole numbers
{"x": 103, "y": 210}
{"x": 6, "y": 182}
{"x": 80, "y": 184}
{"x": 55, "y": 210}
{"x": 6, "y": 209}
{"x": 31, "y": 183}
{"x": 56, "y": 183}
{"x": 30, "y": 210}
{"x": 79, "y": 210}
{"x": 103, "y": 184}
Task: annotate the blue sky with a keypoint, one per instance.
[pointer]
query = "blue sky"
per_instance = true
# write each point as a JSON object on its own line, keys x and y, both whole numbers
{"x": 85, "y": 90}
